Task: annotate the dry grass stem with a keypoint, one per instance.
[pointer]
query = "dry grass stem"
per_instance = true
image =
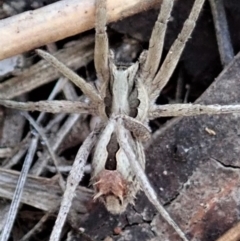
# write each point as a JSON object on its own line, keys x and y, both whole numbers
{"x": 79, "y": 16}
{"x": 55, "y": 142}
{"x": 231, "y": 235}
{"x": 54, "y": 157}
{"x": 36, "y": 228}
{"x": 19, "y": 191}
{"x": 222, "y": 32}
{"x": 39, "y": 188}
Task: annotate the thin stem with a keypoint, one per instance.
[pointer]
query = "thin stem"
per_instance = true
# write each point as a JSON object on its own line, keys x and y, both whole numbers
{"x": 222, "y": 32}
{"x": 19, "y": 190}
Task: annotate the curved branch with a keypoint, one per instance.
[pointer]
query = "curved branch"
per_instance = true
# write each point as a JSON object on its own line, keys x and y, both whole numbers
{"x": 57, "y": 21}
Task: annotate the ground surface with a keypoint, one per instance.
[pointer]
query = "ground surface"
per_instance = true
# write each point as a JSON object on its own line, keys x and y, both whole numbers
{"x": 193, "y": 163}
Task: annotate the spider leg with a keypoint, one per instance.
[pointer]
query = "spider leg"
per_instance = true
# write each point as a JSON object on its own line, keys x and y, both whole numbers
{"x": 156, "y": 42}
{"x": 73, "y": 180}
{"x": 143, "y": 180}
{"x": 191, "y": 110}
{"x": 86, "y": 88}
{"x": 101, "y": 46}
{"x": 175, "y": 52}
{"x": 53, "y": 106}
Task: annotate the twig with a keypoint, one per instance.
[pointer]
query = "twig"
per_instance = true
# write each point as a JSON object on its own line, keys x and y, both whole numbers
{"x": 50, "y": 150}
{"x": 5, "y": 152}
{"x": 57, "y": 88}
{"x": 40, "y": 188}
{"x": 17, "y": 153}
{"x": 79, "y": 16}
{"x": 19, "y": 189}
{"x": 231, "y": 235}
{"x": 57, "y": 140}
{"x": 74, "y": 56}
{"x": 22, "y": 148}
{"x": 36, "y": 228}
{"x": 221, "y": 28}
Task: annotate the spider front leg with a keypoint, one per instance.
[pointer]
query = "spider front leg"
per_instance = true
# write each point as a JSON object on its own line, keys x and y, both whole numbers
{"x": 101, "y": 52}
{"x": 63, "y": 106}
{"x": 85, "y": 87}
{"x": 156, "y": 42}
{"x": 175, "y": 52}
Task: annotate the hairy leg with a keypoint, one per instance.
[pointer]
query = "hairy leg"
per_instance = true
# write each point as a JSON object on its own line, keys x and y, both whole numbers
{"x": 156, "y": 42}
{"x": 89, "y": 90}
{"x": 101, "y": 52}
{"x": 52, "y": 106}
{"x": 175, "y": 52}
{"x": 191, "y": 110}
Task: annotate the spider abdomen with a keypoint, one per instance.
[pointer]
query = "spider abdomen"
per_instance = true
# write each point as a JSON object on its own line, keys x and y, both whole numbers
{"x": 113, "y": 180}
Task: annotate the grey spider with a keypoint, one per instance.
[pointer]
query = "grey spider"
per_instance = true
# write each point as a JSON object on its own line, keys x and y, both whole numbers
{"x": 124, "y": 100}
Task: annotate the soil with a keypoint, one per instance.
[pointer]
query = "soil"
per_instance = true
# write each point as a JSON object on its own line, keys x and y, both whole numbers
{"x": 192, "y": 162}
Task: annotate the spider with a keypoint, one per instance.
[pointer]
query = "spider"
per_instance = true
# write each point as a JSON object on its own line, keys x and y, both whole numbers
{"x": 124, "y": 99}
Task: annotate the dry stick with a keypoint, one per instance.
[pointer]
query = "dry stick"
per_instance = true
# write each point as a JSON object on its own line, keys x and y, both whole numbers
{"x": 73, "y": 180}
{"x": 67, "y": 168}
{"x": 69, "y": 92}
{"x": 18, "y": 152}
{"x": 142, "y": 178}
{"x": 221, "y": 28}
{"x": 25, "y": 143}
{"x": 47, "y": 190}
{"x": 74, "y": 56}
{"x": 41, "y": 133}
{"x": 231, "y": 235}
{"x": 58, "y": 21}
{"x": 5, "y": 152}
{"x": 36, "y": 228}
{"x": 56, "y": 142}
{"x": 55, "y": 121}
{"x": 57, "y": 88}
{"x": 19, "y": 189}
